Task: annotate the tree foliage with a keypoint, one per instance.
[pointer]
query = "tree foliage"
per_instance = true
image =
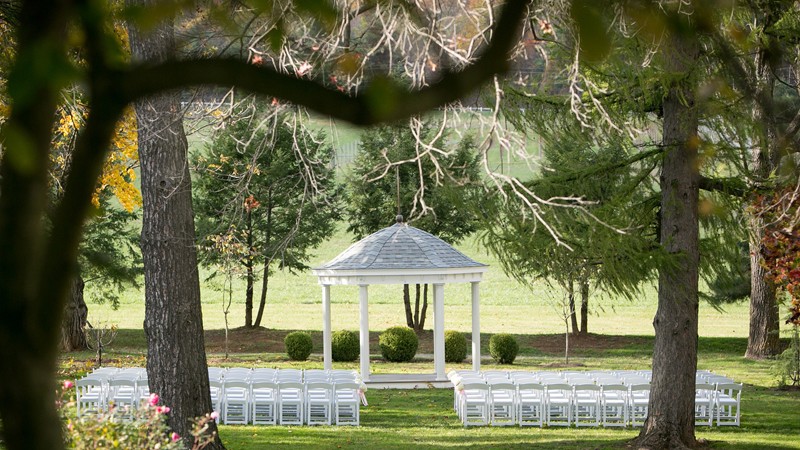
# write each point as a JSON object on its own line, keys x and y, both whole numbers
{"x": 273, "y": 184}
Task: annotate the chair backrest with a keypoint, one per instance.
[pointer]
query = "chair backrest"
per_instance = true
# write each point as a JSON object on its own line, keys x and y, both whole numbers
{"x": 730, "y": 389}
{"x": 87, "y": 383}
{"x": 290, "y": 386}
{"x": 121, "y": 382}
{"x": 530, "y": 386}
{"x": 236, "y": 384}
{"x": 615, "y": 388}
{"x": 319, "y": 386}
{"x": 640, "y": 387}
{"x": 346, "y": 386}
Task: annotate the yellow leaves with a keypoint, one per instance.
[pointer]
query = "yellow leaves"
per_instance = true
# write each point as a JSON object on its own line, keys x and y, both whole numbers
{"x": 118, "y": 174}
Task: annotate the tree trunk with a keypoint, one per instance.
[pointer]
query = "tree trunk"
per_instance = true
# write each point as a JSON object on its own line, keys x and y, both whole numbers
{"x": 73, "y": 328}
{"x": 763, "y": 337}
{"x": 573, "y": 318}
{"x": 176, "y": 359}
{"x": 248, "y": 295}
{"x": 32, "y": 301}
{"x": 763, "y": 340}
{"x": 670, "y": 423}
{"x": 584, "y": 307}
{"x": 424, "y": 313}
{"x": 262, "y": 304}
{"x": 407, "y": 304}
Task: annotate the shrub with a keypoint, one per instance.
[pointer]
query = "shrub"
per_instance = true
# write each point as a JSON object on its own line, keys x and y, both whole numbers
{"x": 145, "y": 428}
{"x": 787, "y": 365}
{"x": 455, "y": 346}
{"x": 503, "y": 348}
{"x": 298, "y": 345}
{"x": 398, "y": 344}
{"x": 345, "y": 346}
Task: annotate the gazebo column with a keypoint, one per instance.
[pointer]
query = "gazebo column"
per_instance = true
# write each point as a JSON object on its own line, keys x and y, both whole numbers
{"x": 326, "y": 327}
{"x": 364, "y": 330}
{"x": 438, "y": 331}
{"x": 476, "y": 327}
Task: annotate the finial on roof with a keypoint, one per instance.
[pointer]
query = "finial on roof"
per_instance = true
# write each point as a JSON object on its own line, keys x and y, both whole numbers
{"x": 399, "y": 218}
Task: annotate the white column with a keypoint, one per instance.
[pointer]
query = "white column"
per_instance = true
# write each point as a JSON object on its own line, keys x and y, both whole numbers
{"x": 476, "y": 327}
{"x": 438, "y": 331}
{"x": 326, "y": 327}
{"x": 364, "y": 334}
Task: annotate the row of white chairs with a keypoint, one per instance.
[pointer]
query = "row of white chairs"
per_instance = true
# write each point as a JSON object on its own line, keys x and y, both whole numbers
{"x": 110, "y": 386}
{"x": 287, "y": 402}
{"x": 240, "y": 395}
{"x": 500, "y": 398}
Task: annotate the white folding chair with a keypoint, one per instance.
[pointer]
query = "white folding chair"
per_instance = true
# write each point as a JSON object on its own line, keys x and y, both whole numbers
{"x": 586, "y": 405}
{"x": 290, "y": 403}
{"x": 558, "y": 405}
{"x": 264, "y": 401}
{"x": 728, "y": 401}
{"x": 474, "y": 404}
{"x": 347, "y": 403}
{"x": 503, "y": 403}
{"x": 123, "y": 395}
{"x": 90, "y": 395}
{"x": 638, "y": 403}
{"x": 215, "y": 389}
{"x": 530, "y": 404}
{"x": 236, "y": 402}
{"x": 319, "y": 403}
{"x": 704, "y": 404}
{"x": 614, "y": 405}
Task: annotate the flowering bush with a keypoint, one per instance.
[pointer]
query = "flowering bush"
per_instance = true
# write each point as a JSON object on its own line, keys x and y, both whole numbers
{"x": 145, "y": 429}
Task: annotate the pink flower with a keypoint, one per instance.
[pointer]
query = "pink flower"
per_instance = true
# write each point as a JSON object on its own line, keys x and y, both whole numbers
{"x": 68, "y": 384}
{"x": 175, "y": 437}
{"x": 214, "y": 415}
{"x": 162, "y": 409}
{"x": 153, "y": 399}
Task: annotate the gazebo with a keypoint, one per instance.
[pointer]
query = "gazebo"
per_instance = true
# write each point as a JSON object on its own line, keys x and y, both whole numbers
{"x": 401, "y": 254}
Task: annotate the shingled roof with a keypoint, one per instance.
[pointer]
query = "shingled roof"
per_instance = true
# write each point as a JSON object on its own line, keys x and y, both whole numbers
{"x": 400, "y": 246}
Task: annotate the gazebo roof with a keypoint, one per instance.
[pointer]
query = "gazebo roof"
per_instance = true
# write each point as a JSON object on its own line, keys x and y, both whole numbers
{"x": 399, "y": 254}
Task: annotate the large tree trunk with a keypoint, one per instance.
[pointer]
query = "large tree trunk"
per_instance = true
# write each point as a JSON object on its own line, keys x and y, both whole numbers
{"x": 763, "y": 338}
{"x": 670, "y": 423}
{"x": 584, "y": 307}
{"x": 424, "y": 312}
{"x": 73, "y": 327}
{"x": 176, "y": 359}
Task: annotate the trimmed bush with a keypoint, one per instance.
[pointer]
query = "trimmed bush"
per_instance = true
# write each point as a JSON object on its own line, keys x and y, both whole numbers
{"x": 345, "y": 346}
{"x": 503, "y": 348}
{"x": 298, "y": 345}
{"x": 455, "y": 346}
{"x": 398, "y": 344}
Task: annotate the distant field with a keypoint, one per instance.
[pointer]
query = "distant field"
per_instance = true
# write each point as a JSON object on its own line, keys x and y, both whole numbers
{"x": 294, "y": 302}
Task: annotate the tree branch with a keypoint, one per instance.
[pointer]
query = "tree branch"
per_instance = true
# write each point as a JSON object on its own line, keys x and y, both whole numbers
{"x": 381, "y": 101}
{"x": 731, "y": 186}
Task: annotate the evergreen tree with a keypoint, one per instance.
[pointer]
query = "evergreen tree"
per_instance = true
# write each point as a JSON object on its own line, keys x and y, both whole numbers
{"x": 272, "y": 184}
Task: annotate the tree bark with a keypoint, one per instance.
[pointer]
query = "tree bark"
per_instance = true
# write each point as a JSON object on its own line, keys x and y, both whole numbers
{"x": 407, "y": 304}
{"x": 73, "y": 333}
{"x": 763, "y": 336}
{"x": 584, "y": 307}
{"x": 670, "y": 423}
{"x": 176, "y": 359}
